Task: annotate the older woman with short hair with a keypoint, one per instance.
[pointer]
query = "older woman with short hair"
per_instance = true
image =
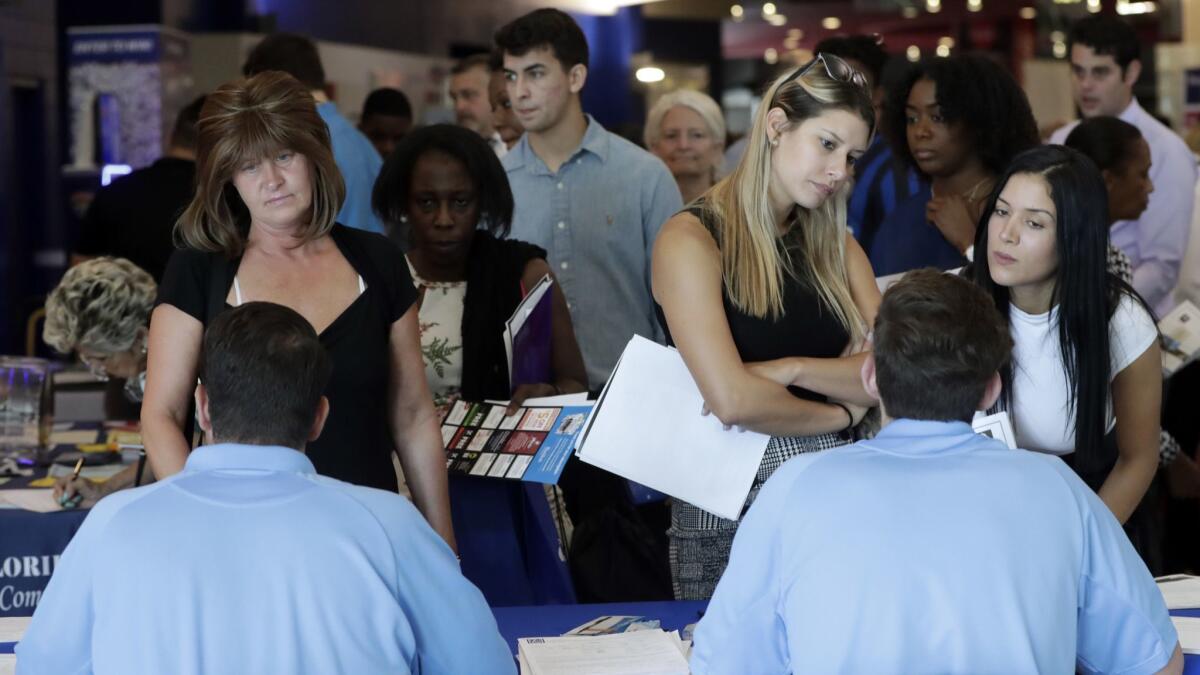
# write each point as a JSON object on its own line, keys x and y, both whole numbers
{"x": 261, "y": 227}
{"x": 686, "y": 130}
{"x": 100, "y": 311}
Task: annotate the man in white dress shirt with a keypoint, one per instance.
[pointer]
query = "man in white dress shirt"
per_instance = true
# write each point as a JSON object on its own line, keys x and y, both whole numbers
{"x": 1105, "y": 64}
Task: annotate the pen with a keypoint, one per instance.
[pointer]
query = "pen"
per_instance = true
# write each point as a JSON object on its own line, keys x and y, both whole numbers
{"x": 78, "y": 497}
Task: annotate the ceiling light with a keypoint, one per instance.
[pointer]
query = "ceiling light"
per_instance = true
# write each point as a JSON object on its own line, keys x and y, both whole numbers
{"x": 795, "y": 33}
{"x": 831, "y": 23}
{"x": 913, "y": 53}
{"x": 771, "y": 56}
{"x": 650, "y": 74}
{"x": 737, "y": 11}
{"x": 1060, "y": 50}
{"x": 1129, "y": 8}
{"x": 933, "y": 6}
{"x": 974, "y": 5}
{"x": 777, "y": 20}
{"x": 768, "y": 8}
{"x": 1093, "y": 6}
{"x": 946, "y": 41}
{"x": 1027, "y": 13}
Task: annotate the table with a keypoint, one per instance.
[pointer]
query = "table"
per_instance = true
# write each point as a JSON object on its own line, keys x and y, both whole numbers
{"x": 30, "y": 544}
{"x": 547, "y": 621}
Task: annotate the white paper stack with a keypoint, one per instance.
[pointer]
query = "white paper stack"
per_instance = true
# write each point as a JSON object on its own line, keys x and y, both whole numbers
{"x": 1188, "y": 629}
{"x": 643, "y": 652}
{"x": 647, "y": 427}
{"x": 1180, "y": 591}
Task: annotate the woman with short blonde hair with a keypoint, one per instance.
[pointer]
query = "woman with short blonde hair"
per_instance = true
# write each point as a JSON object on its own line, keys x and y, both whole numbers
{"x": 261, "y": 227}
{"x": 766, "y": 294}
{"x": 686, "y": 129}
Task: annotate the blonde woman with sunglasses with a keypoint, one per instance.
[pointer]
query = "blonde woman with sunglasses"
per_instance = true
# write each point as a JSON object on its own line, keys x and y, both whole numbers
{"x": 767, "y": 296}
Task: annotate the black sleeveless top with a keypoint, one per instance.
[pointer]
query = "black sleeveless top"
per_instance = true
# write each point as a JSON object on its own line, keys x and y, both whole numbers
{"x": 808, "y": 327}
{"x": 356, "y": 445}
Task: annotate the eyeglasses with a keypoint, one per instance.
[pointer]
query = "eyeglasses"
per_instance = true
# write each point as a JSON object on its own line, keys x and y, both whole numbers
{"x": 835, "y": 68}
{"x": 98, "y": 365}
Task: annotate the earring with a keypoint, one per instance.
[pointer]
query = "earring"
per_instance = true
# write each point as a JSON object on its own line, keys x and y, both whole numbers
{"x": 775, "y": 142}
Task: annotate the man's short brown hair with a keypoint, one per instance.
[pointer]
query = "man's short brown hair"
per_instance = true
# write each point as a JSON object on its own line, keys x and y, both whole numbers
{"x": 938, "y": 341}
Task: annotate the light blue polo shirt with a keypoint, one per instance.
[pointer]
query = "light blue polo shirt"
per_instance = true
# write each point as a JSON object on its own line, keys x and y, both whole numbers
{"x": 930, "y": 549}
{"x": 249, "y": 562}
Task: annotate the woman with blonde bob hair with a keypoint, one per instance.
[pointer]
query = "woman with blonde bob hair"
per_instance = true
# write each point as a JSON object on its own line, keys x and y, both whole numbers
{"x": 686, "y": 130}
{"x": 766, "y": 294}
{"x": 261, "y": 227}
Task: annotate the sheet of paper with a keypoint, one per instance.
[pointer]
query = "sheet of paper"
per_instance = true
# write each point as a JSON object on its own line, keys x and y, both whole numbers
{"x": 1180, "y": 591}
{"x": 40, "y": 500}
{"x": 640, "y": 653}
{"x": 648, "y": 428}
{"x": 99, "y": 473}
{"x": 1188, "y": 629}
{"x": 74, "y": 437}
{"x": 13, "y": 627}
{"x": 549, "y": 401}
{"x": 8, "y": 664}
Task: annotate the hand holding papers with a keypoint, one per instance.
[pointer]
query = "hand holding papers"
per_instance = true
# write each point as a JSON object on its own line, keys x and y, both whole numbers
{"x": 647, "y": 427}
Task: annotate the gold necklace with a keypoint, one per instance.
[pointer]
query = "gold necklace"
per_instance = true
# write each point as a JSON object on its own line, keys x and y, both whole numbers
{"x": 968, "y": 195}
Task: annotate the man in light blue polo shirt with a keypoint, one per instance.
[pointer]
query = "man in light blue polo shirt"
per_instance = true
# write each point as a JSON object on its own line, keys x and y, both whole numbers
{"x": 247, "y": 561}
{"x": 357, "y": 160}
{"x": 932, "y": 549}
{"x": 592, "y": 199}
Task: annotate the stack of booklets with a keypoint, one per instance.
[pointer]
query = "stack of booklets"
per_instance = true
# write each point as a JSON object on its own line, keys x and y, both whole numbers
{"x": 643, "y": 652}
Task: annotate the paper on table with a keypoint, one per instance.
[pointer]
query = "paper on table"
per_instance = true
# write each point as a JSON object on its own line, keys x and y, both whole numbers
{"x": 8, "y": 664}
{"x": 1188, "y": 629}
{"x": 40, "y": 500}
{"x": 647, "y": 427}
{"x": 1180, "y": 591}
{"x": 646, "y": 652}
{"x": 13, "y": 627}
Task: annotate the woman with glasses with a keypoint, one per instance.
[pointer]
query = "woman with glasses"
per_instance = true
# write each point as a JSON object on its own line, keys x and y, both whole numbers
{"x": 101, "y": 311}
{"x": 766, "y": 294}
{"x": 958, "y": 121}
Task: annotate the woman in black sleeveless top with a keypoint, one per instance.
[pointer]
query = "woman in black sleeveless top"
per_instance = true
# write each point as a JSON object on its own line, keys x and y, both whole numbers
{"x": 261, "y": 227}
{"x": 767, "y": 296}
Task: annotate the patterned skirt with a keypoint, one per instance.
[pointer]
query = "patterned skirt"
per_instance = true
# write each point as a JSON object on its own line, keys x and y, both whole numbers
{"x": 700, "y": 541}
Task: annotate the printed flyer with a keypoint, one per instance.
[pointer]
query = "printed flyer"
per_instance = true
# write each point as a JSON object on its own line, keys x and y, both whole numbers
{"x": 532, "y": 445}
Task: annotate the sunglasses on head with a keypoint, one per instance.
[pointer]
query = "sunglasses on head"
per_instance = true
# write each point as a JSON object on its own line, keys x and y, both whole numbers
{"x": 835, "y": 68}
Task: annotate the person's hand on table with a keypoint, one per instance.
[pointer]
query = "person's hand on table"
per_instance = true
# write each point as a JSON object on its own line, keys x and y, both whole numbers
{"x": 77, "y": 492}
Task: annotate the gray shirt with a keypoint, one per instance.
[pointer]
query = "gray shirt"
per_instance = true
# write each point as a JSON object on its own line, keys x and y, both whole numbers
{"x": 597, "y": 218}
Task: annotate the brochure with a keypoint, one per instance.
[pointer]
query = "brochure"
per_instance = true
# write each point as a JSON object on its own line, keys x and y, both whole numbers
{"x": 527, "y": 336}
{"x": 532, "y": 445}
{"x": 1180, "y": 330}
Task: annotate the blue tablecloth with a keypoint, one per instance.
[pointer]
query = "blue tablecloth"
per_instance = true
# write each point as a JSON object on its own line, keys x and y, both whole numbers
{"x": 508, "y": 542}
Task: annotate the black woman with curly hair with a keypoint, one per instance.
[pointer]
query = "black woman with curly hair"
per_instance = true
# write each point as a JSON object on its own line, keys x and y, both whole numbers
{"x": 958, "y": 121}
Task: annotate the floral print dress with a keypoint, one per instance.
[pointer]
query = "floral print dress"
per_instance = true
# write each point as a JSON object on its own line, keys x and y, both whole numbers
{"x": 440, "y": 320}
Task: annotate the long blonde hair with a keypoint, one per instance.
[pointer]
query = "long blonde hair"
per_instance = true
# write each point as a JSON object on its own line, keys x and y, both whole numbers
{"x": 753, "y": 264}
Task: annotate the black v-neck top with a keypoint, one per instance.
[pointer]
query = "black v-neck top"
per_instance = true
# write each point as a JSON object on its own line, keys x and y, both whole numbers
{"x": 807, "y": 327}
{"x": 356, "y": 445}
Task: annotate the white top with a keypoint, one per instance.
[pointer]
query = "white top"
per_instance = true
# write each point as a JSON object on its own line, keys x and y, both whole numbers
{"x": 440, "y": 322}
{"x": 1040, "y": 388}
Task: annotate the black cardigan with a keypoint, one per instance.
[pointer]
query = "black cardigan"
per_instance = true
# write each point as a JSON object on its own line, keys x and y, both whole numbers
{"x": 495, "y": 268}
